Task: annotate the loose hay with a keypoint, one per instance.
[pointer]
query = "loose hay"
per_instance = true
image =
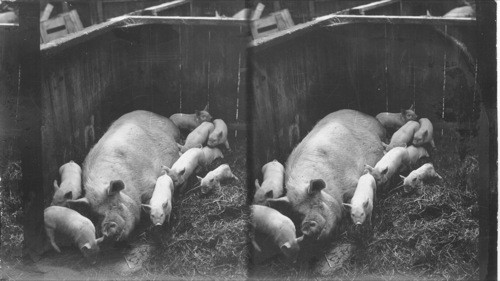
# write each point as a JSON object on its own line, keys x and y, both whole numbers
{"x": 207, "y": 237}
{"x": 430, "y": 233}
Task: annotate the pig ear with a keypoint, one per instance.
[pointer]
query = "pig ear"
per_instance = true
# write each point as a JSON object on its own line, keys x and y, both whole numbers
{"x": 315, "y": 186}
{"x": 365, "y": 204}
{"x": 412, "y": 107}
{"x": 206, "y": 107}
{"x": 426, "y": 133}
{"x": 385, "y": 170}
{"x": 68, "y": 195}
{"x": 75, "y": 204}
{"x": 269, "y": 194}
{"x": 146, "y": 208}
{"x": 199, "y": 178}
{"x": 99, "y": 240}
{"x": 347, "y": 205}
{"x": 280, "y": 203}
{"x": 56, "y": 186}
{"x": 257, "y": 185}
{"x": 85, "y": 246}
{"x": 286, "y": 245}
{"x": 181, "y": 172}
{"x": 115, "y": 187}
{"x": 220, "y": 134}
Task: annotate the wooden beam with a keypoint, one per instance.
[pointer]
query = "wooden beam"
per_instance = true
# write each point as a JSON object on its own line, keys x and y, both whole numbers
{"x": 335, "y": 20}
{"x": 162, "y": 7}
{"x": 9, "y": 26}
{"x": 129, "y": 21}
{"x": 360, "y": 10}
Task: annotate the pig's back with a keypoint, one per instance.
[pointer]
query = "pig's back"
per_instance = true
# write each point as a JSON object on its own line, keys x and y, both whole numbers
{"x": 67, "y": 221}
{"x": 271, "y": 222}
{"x": 133, "y": 150}
{"x": 336, "y": 151}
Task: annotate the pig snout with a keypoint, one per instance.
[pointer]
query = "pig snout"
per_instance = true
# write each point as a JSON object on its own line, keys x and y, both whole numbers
{"x": 311, "y": 228}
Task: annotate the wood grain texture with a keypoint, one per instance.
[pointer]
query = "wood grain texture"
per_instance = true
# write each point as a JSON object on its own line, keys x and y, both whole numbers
{"x": 372, "y": 68}
{"x": 162, "y": 68}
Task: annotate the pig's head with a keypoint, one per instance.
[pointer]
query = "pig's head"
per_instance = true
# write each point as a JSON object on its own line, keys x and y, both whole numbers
{"x": 319, "y": 211}
{"x": 158, "y": 215}
{"x": 410, "y": 181}
{"x": 379, "y": 174}
{"x": 91, "y": 249}
{"x": 261, "y": 195}
{"x": 176, "y": 176}
{"x": 203, "y": 115}
{"x": 409, "y": 114}
{"x": 214, "y": 139}
{"x": 61, "y": 196}
{"x": 419, "y": 137}
{"x": 358, "y": 213}
{"x": 208, "y": 184}
{"x": 120, "y": 212}
{"x": 291, "y": 249}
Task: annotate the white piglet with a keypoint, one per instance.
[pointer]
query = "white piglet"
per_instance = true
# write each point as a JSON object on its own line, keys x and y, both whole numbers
{"x": 418, "y": 176}
{"x": 277, "y": 232}
{"x": 362, "y": 200}
{"x": 160, "y": 204}
{"x": 71, "y": 184}
{"x": 396, "y": 120}
{"x": 184, "y": 167}
{"x": 197, "y": 137}
{"x": 416, "y": 153}
{"x": 403, "y": 136}
{"x": 391, "y": 163}
{"x": 272, "y": 183}
{"x": 218, "y": 135}
{"x": 213, "y": 178}
{"x": 71, "y": 225}
{"x": 424, "y": 134}
{"x": 191, "y": 121}
{"x": 209, "y": 155}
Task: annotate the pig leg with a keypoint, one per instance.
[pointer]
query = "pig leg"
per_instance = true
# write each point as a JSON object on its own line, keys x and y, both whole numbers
{"x": 51, "y": 235}
{"x": 227, "y": 146}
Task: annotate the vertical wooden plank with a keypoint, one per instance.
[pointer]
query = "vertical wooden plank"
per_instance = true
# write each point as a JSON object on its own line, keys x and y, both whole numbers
{"x": 30, "y": 102}
{"x": 100, "y": 12}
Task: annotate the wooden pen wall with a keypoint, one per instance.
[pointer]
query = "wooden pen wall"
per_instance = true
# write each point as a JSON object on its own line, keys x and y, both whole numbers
{"x": 162, "y": 68}
{"x": 9, "y": 90}
{"x": 367, "y": 67}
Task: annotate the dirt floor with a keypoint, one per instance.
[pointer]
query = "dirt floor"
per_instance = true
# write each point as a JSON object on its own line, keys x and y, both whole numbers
{"x": 206, "y": 239}
{"x": 429, "y": 233}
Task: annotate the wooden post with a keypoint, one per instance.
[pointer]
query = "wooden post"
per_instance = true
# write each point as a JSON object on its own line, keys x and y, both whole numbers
{"x": 30, "y": 122}
{"x": 488, "y": 154}
{"x": 100, "y": 13}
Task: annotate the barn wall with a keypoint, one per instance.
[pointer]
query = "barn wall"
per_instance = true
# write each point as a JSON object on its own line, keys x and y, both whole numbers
{"x": 9, "y": 83}
{"x": 371, "y": 68}
{"x": 164, "y": 69}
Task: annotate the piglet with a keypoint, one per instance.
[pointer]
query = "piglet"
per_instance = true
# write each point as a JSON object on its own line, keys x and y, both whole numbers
{"x": 418, "y": 176}
{"x": 71, "y": 184}
{"x": 277, "y": 232}
{"x": 218, "y": 135}
{"x": 183, "y": 168}
{"x": 71, "y": 225}
{"x": 160, "y": 204}
{"x": 191, "y": 121}
{"x": 209, "y": 155}
{"x": 396, "y": 120}
{"x": 415, "y": 153}
{"x": 213, "y": 178}
{"x": 390, "y": 164}
{"x": 404, "y": 135}
{"x": 272, "y": 184}
{"x": 461, "y": 12}
{"x": 198, "y": 136}
{"x": 424, "y": 134}
{"x": 362, "y": 200}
